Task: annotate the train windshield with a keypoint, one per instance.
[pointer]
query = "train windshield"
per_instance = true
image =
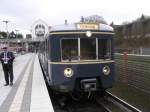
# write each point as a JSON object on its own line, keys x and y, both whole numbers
{"x": 88, "y": 49}
{"x": 69, "y": 49}
{"x": 85, "y": 49}
{"x": 104, "y": 48}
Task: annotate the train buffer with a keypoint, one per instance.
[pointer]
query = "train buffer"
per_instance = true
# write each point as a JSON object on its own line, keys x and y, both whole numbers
{"x": 29, "y": 92}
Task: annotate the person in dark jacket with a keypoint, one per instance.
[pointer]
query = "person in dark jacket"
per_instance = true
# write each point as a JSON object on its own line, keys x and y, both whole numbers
{"x": 6, "y": 58}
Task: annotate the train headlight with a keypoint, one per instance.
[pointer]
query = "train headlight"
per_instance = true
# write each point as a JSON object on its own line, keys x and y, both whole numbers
{"x": 88, "y": 33}
{"x": 68, "y": 72}
{"x": 106, "y": 70}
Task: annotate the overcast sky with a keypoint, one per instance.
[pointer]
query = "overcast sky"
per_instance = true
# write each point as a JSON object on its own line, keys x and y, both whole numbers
{"x": 23, "y": 13}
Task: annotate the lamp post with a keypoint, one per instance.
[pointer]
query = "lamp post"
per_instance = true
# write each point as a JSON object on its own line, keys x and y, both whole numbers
{"x": 18, "y": 41}
{"x": 17, "y": 33}
{"x": 6, "y": 22}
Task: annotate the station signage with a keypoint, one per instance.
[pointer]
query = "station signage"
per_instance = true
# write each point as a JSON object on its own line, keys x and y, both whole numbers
{"x": 87, "y": 26}
{"x": 39, "y": 29}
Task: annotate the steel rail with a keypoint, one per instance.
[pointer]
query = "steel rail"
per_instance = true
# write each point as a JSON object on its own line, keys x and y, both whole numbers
{"x": 105, "y": 108}
{"x": 122, "y": 102}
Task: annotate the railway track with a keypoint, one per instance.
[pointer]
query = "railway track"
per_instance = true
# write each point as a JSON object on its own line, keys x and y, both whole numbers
{"x": 108, "y": 103}
{"x": 82, "y": 105}
{"x": 85, "y": 105}
{"x": 117, "y": 104}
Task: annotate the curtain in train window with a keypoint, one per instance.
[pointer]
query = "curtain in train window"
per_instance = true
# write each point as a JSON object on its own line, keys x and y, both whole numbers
{"x": 69, "y": 49}
{"x": 88, "y": 48}
{"x": 104, "y": 48}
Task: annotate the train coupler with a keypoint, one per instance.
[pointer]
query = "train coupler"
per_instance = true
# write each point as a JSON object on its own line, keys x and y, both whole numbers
{"x": 89, "y": 84}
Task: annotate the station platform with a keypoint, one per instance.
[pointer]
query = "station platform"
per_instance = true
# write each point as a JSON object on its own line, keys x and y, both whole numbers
{"x": 29, "y": 92}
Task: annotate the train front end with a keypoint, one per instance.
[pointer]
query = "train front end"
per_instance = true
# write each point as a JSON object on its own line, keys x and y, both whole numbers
{"x": 82, "y": 58}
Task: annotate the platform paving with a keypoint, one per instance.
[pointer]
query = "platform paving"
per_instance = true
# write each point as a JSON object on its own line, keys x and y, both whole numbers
{"x": 29, "y": 92}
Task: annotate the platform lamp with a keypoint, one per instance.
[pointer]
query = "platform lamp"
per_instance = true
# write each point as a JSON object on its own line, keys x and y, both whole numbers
{"x": 18, "y": 42}
{"x": 6, "y": 22}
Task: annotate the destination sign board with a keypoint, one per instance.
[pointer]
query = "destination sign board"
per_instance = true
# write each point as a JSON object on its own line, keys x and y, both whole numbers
{"x": 87, "y": 26}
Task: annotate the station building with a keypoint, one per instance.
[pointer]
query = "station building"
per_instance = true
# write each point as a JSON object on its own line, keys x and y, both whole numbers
{"x": 29, "y": 44}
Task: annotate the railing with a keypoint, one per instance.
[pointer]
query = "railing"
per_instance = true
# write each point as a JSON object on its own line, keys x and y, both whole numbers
{"x": 134, "y": 70}
{"x": 21, "y": 40}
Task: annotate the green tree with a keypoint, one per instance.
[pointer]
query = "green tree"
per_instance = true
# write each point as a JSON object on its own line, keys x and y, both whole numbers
{"x": 28, "y": 36}
{"x": 12, "y": 35}
{"x": 20, "y": 36}
{"x": 4, "y": 34}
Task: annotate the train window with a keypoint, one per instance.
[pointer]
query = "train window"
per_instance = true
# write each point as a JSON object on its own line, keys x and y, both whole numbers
{"x": 87, "y": 48}
{"x": 69, "y": 49}
{"x": 104, "y": 48}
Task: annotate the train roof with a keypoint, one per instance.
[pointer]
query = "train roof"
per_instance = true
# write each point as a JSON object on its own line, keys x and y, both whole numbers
{"x": 73, "y": 27}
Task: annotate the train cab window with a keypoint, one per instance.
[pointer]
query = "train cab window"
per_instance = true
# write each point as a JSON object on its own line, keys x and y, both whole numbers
{"x": 104, "y": 48}
{"x": 69, "y": 49}
{"x": 88, "y": 49}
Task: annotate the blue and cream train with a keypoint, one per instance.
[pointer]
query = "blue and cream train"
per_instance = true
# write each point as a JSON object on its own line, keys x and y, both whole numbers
{"x": 78, "y": 57}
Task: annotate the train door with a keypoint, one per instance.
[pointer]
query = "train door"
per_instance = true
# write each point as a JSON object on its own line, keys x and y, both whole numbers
{"x": 46, "y": 61}
{"x": 46, "y": 54}
{"x": 49, "y": 59}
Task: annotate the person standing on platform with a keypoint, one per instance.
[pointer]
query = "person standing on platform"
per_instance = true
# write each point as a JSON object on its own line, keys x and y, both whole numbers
{"x": 6, "y": 58}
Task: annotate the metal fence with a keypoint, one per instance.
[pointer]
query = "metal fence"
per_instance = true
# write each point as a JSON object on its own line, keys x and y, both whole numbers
{"x": 134, "y": 70}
